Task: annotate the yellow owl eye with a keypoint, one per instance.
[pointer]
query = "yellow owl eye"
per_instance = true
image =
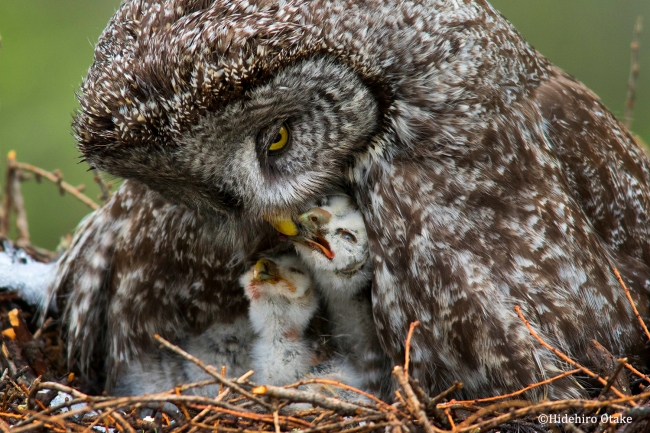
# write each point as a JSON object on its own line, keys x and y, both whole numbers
{"x": 281, "y": 139}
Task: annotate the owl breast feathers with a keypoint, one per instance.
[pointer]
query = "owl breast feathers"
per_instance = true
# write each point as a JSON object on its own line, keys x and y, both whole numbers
{"x": 487, "y": 178}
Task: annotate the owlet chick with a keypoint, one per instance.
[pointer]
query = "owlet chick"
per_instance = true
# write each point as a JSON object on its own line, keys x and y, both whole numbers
{"x": 282, "y": 302}
{"x": 333, "y": 243}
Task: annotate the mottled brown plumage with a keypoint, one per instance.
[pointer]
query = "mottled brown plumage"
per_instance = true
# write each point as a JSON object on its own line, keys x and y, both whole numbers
{"x": 487, "y": 178}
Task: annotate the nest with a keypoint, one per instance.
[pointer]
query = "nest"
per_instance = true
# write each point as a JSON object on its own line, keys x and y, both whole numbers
{"x": 39, "y": 395}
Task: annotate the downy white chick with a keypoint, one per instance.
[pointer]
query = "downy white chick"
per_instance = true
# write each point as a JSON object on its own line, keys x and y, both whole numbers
{"x": 21, "y": 274}
{"x": 282, "y": 302}
{"x": 333, "y": 243}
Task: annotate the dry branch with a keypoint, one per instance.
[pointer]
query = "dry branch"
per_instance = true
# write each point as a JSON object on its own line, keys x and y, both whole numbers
{"x": 634, "y": 72}
{"x": 407, "y": 347}
{"x": 14, "y": 202}
{"x": 298, "y": 396}
{"x": 629, "y": 298}
{"x": 456, "y": 403}
{"x": 57, "y": 178}
{"x": 413, "y": 404}
{"x": 334, "y": 383}
{"x": 211, "y": 371}
{"x": 104, "y": 187}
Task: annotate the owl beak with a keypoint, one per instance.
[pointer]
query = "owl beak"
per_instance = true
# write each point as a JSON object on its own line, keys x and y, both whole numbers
{"x": 284, "y": 225}
{"x": 265, "y": 270}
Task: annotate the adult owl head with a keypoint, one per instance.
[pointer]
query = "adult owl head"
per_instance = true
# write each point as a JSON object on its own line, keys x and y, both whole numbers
{"x": 486, "y": 176}
{"x": 189, "y": 97}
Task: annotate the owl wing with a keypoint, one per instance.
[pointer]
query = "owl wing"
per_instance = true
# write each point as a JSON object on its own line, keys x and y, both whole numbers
{"x": 460, "y": 237}
{"x": 140, "y": 266}
{"x": 607, "y": 171}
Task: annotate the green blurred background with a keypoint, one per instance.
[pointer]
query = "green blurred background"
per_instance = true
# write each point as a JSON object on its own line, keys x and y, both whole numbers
{"x": 47, "y": 46}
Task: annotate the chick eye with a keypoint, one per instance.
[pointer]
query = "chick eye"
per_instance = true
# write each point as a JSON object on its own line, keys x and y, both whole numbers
{"x": 348, "y": 236}
{"x": 280, "y": 140}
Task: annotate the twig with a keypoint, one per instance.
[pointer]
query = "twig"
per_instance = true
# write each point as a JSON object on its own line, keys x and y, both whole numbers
{"x": 545, "y": 407}
{"x": 453, "y": 403}
{"x": 276, "y": 416}
{"x": 634, "y": 72}
{"x": 8, "y": 203}
{"x": 340, "y": 425}
{"x": 429, "y": 407}
{"x": 121, "y": 421}
{"x": 14, "y": 201}
{"x": 100, "y": 417}
{"x": 564, "y": 357}
{"x": 343, "y": 386}
{"x": 629, "y": 298}
{"x": 103, "y": 186}
{"x": 450, "y": 419}
{"x": 244, "y": 377}
{"x": 416, "y": 408}
{"x": 207, "y": 410}
{"x": 612, "y": 378}
{"x": 47, "y": 419}
{"x": 407, "y": 346}
{"x": 211, "y": 371}
{"x": 482, "y": 412}
{"x": 48, "y": 322}
{"x": 637, "y": 372}
{"x": 56, "y": 178}
{"x": 378, "y": 426}
{"x": 605, "y": 364}
{"x": 298, "y": 396}
{"x": 183, "y": 407}
{"x": 223, "y": 374}
{"x": 103, "y": 403}
{"x": 438, "y": 398}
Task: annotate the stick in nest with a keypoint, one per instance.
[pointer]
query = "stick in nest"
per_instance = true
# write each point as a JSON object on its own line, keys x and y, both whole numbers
{"x": 413, "y": 404}
{"x": 407, "y": 347}
{"x": 510, "y": 395}
{"x": 298, "y": 396}
{"x": 380, "y": 403}
{"x": 211, "y": 371}
{"x": 629, "y": 298}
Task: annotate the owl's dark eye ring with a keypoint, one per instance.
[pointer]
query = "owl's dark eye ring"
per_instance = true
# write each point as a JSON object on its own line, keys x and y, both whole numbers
{"x": 347, "y": 236}
{"x": 279, "y": 141}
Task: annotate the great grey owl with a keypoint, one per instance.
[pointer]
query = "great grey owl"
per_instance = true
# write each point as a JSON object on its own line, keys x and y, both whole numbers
{"x": 487, "y": 178}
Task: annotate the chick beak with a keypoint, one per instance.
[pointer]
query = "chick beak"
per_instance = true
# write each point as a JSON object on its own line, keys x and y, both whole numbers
{"x": 265, "y": 270}
{"x": 313, "y": 221}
